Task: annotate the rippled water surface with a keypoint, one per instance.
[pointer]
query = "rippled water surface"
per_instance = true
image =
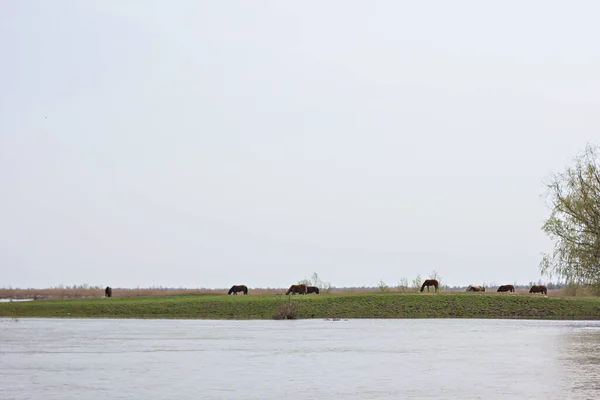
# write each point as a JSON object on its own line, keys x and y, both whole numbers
{"x": 355, "y": 359}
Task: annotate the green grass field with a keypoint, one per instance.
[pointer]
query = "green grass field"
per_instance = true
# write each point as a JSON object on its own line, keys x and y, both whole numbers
{"x": 371, "y": 305}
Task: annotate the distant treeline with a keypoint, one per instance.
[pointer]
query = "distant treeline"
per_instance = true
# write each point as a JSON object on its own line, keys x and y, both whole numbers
{"x": 549, "y": 285}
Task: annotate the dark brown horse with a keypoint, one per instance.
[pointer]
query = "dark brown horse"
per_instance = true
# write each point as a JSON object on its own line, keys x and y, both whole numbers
{"x": 108, "y": 291}
{"x": 300, "y": 289}
{"x": 538, "y": 289}
{"x": 235, "y": 289}
{"x": 506, "y": 288}
{"x": 312, "y": 289}
{"x": 430, "y": 282}
{"x": 476, "y": 288}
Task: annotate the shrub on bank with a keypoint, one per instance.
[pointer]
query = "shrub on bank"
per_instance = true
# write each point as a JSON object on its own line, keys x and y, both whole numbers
{"x": 286, "y": 310}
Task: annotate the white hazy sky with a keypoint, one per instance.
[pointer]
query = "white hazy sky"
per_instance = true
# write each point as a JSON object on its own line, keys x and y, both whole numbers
{"x": 202, "y": 144}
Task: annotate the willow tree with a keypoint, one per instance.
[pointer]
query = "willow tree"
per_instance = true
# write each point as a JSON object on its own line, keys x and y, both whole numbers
{"x": 574, "y": 221}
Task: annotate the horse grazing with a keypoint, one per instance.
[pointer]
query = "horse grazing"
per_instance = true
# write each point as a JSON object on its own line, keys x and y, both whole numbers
{"x": 108, "y": 291}
{"x": 476, "y": 288}
{"x": 300, "y": 289}
{"x": 430, "y": 282}
{"x": 538, "y": 289}
{"x": 312, "y": 289}
{"x": 238, "y": 288}
{"x": 506, "y": 288}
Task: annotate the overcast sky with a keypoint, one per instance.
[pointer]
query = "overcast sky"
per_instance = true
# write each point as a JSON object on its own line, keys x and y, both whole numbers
{"x": 205, "y": 144}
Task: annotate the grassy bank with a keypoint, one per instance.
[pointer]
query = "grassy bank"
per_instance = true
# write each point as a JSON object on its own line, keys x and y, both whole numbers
{"x": 376, "y": 305}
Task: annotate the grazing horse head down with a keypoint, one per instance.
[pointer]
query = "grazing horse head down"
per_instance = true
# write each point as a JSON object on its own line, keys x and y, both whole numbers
{"x": 430, "y": 282}
{"x": 108, "y": 291}
{"x": 538, "y": 289}
{"x": 312, "y": 289}
{"x": 476, "y": 288}
{"x": 238, "y": 288}
{"x": 300, "y": 289}
{"x": 506, "y": 288}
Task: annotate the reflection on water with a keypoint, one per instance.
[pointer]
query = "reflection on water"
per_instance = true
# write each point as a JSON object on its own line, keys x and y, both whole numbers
{"x": 356, "y": 359}
{"x": 580, "y": 354}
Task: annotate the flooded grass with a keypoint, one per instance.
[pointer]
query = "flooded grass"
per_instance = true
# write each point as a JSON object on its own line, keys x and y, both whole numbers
{"x": 362, "y": 305}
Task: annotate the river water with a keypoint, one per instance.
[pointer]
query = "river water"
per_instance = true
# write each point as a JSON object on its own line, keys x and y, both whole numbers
{"x": 317, "y": 359}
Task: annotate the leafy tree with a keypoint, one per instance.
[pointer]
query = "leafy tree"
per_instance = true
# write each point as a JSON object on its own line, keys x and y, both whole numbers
{"x": 574, "y": 221}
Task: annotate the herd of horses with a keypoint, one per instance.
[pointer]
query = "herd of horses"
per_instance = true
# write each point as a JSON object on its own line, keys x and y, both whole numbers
{"x": 477, "y": 288}
{"x": 302, "y": 289}
{"x": 305, "y": 289}
{"x": 294, "y": 289}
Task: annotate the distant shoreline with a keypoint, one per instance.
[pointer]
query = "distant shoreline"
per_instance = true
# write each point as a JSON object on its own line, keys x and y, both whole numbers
{"x": 362, "y": 305}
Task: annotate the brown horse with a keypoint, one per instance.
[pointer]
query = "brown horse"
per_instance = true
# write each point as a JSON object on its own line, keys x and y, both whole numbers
{"x": 238, "y": 288}
{"x": 430, "y": 282}
{"x": 300, "y": 289}
{"x": 538, "y": 289}
{"x": 312, "y": 289}
{"x": 506, "y": 288}
{"x": 108, "y": 291}
{"x": 476, "y": 288}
